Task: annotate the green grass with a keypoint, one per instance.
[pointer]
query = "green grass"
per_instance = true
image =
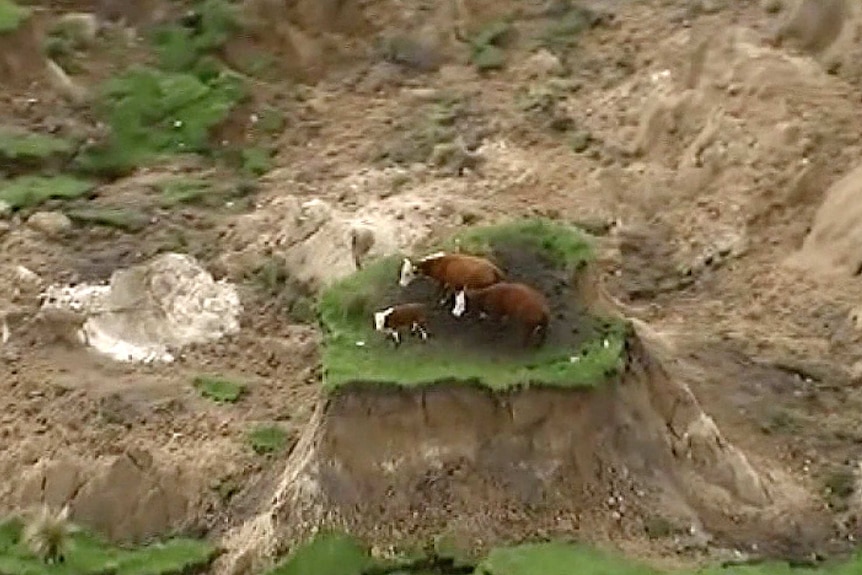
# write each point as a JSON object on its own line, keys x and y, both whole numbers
{"x": 125, "y": 219}
{"x": 328, "y": 553}
{"x": 266, "y": 439}
{"x": 564, "y": 245}
{"x": 28, "y": 146}
{"x": 219, "y": 389}
{"x": 346, "y": 308}
{"x": 88, "y": 555}
{"x": 31, "y": 191}
{"x": 152, "y": 114}
{"x": 11, "y": 16}
{"x": 331, "y": 553}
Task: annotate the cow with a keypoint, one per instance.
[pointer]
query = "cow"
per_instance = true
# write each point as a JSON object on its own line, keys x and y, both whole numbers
{"x": 517, "y": 301}
{"x": 392, "y": 320}
{"x": 452, "y": 272}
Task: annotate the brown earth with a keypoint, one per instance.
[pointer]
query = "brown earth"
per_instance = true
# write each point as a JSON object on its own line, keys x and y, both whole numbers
{"x": 711, "y": 146}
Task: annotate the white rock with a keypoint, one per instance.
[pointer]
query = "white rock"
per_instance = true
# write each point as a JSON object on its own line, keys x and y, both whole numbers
{"x": 52, "y": 224}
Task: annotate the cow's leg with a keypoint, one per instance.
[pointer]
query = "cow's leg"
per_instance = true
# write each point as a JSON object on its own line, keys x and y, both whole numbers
{"x": 445, "y": 291}
{"x": 422, "y": 333}
{"x": 396, "y": 337}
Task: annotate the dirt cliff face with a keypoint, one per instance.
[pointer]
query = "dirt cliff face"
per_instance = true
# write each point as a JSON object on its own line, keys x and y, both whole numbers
{"x": 495, "y": 467}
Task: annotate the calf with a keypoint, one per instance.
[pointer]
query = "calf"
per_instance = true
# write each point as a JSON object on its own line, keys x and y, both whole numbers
{"x": 409, "y": 315}
{"x": 509, "y": 300}
{"x": 452, "y": 272}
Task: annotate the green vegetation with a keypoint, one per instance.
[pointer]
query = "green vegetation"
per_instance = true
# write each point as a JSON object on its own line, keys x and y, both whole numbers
{"x": 31, "y": 191}
{"x": 332, "y": 553}
{"x": 562, "y": 32}
{"x": 188, "y": 48}
{"x": 267, "y": 439}
{"x": 354, "y": 352}
{"x": 23, "y": 146}
{"x": 328, "y": 553}
{"x": 219, "y": 389}
{"x": 86, "y": 554}
{"x": 153, "y": 113}
{"x": 11, "y": 16}
{"x": 125, "y": 219}
{"x": 486, "y": 47}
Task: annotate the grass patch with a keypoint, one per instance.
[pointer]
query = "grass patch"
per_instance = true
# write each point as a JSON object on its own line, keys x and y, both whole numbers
{"x": 31, "y": 191}
{"x": 328, "y": 553}
{"x": 487, "y": 46}
{"x": 354, "y": 352}
{"x": 219, "y": 389}
{"x": 88, "y": 555}
{"x": 190, "y": 191}
{"x": 28, "y": 146}
{"x": 266, "y": 439}
{"x": 562, "y": 244}
{"x": 153, "y": 113}
{"x": 11, "y": 16}
{"x": 123, "y": 219}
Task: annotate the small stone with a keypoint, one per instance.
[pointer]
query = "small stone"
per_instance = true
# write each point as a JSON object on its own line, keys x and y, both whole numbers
{"x": 544, "y": 63}
{"x": 580, "y": 141}
{"x": 82, "y": 26}
{"x": 52, "y": 224}
{"x": 5, "y": 209}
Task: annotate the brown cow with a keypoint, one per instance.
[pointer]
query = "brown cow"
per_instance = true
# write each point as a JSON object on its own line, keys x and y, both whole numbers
{"x": 453, "y": 272}
{"x": 509, "y": 300}
{"x": 409, "y": 315}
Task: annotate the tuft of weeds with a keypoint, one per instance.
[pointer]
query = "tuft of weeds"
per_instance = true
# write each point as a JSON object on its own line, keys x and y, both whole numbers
{"x": 268, "y": 439}
{"x": 31, "y": 191}
{"x": 152, "y": 113}
{"x": 567, "y": 21}
{"x": 185, "y": 45}
{"x": 839, "y": 485}
{"x": 219, "y": 389}
{"x": 47, "y": 534}
{"x": 12, "y": 16}
{"x": 256, "y": 161}
{"x": 123, "y": 219}
{"x": 487, "y": 46}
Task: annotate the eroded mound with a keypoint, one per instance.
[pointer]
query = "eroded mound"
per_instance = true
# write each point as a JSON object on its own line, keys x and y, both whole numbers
{"x": 581, "y": 348}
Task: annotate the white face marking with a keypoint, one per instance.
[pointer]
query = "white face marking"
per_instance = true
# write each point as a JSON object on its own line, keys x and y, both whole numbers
{"x": 407, "y": 273}
{"x": 460, "y": 304}
{"x": 380, "y": 318}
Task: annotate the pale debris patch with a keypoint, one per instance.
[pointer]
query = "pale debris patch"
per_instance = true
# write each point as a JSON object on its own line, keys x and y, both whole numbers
{"x": 147, "y": 310}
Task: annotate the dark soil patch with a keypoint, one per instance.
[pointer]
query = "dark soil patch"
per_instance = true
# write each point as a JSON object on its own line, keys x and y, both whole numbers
{"x": 570, "y": 328}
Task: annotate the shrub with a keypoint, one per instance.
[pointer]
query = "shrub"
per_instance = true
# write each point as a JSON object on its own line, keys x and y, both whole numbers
{"x": 11, "y": 16}
{"x": 266, "y": 439}
{"x": 31, "y": 191}
{"x": 219, "y": 389}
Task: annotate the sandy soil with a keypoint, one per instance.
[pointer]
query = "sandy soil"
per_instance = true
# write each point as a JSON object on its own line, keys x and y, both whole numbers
{"x": 710, "y": 144}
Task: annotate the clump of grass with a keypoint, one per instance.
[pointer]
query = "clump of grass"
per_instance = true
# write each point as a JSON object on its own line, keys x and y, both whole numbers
{"x": 219, "y": 389}
{"x": 566, "y": 24}
{"x": 84, "y": 554}
{"x": 486, "y": 47}
{"x": 256, "y": 161}
{"x": 152, "y": 113}
{"x": 327, "y": 553}
{"x": 47, "y": 535}
{"x": 268, "y": 439}
{"x": 19, "y": 145}
{"x": 125, "y": 219}
{"x": 561, "y": 243}
{"x": 555, "y": 558}
{"x": 184, "y": 46}
{"x": 31, "y": 191}
{"x": 12, "y": 16}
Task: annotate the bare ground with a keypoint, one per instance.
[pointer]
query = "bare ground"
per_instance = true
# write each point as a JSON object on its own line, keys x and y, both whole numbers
{"x": 711, "y": 147}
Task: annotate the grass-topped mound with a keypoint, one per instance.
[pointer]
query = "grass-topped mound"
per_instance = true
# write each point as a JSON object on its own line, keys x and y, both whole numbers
{"x": 85, "y": 554}
{"x": 580, "y": 350}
